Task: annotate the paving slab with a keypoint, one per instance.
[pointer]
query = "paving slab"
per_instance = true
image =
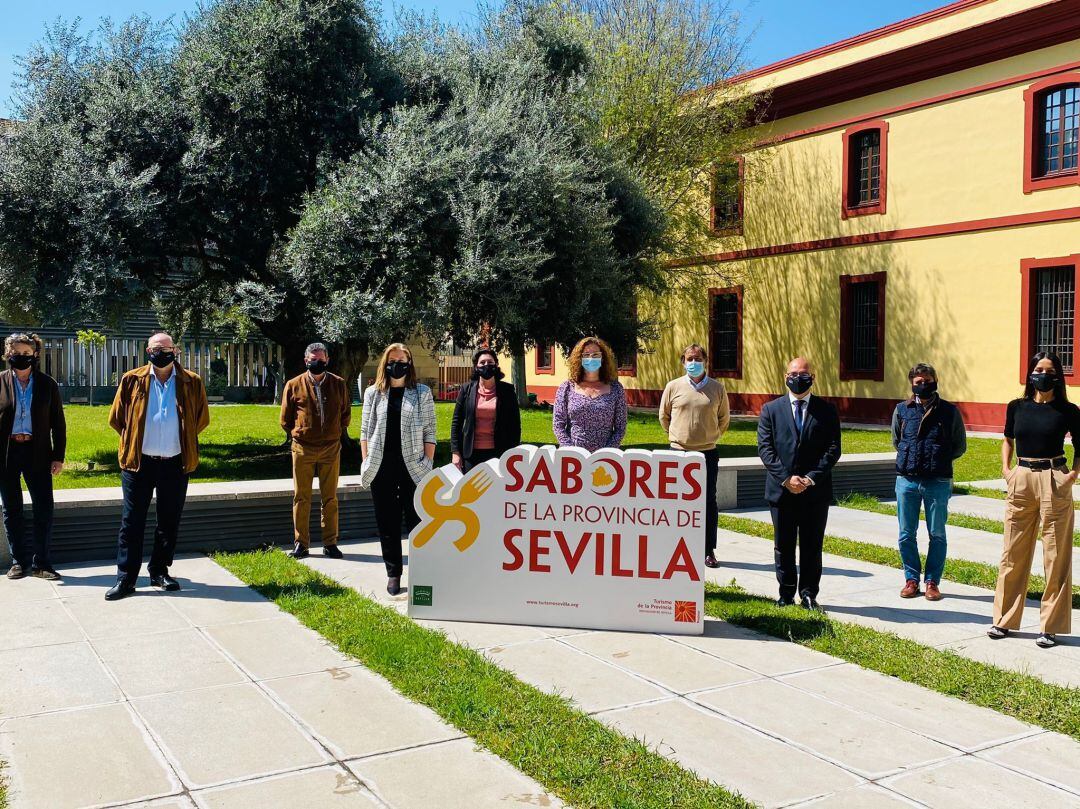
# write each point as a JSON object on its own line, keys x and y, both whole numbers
{"x": 37, "y": 623}
{"x": 455, "y": 775}
{"x": 484, "y": 636}
{"x": 856, "y": 740}
{"x": 165, "y": 662}
{"x": 592, "y": 685}
{"x": 219, "y": 734}
{"x": 730, "y": 753}
{"x": 323, "y": 788}
{"x": 866, "y": 796}
{"x": 988, "y": 507}
{"x": 356, "y": 713}
{"x": 277, "y": 647}
{"x": 26, "y": 589}
{"x": 676, "y": 667}
{"x": 1019, "y": 653}
{"x": 59, "y": 760}
{"x": 1050, "y": 757}
{"x": 209, "y": 604}
{"x": 176, "y": 802}
{"x": 971, "y": 782}
{"x": 761, "y": 653}
{"x": 910, "y": 706}
{"x": 135, "y": 615}
{"x": 90, "y": 579}
{"x": 50, "y": 678}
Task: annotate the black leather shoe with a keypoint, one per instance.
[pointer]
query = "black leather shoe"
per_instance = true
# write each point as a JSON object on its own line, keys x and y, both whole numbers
{"x": 810, "y": 603}
{"x": 333, "y": 551}
{"x": 710, "y": 560}
{"x": 299, "y": 552}
{"x": 393, "y": 585}
{"x": 785, "y": 602}
{"x": 165, "y": 582}
{"x": 122, "y": 589}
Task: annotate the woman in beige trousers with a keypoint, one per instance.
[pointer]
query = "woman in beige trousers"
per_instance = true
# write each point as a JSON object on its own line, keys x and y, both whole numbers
{"x": 1039, "y": 497}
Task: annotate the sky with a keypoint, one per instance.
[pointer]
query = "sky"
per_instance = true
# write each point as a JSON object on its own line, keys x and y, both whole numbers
{"x": 780, "y": 28}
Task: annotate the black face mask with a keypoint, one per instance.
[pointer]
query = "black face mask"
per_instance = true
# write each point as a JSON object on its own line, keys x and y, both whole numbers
{"x": 487, "y": 371}
{"x": 800, "y": 384}
{"x": 925, "y": 389}
{"x": 1043, "y": 383}
{"x": 20, "y": 362}
{"x": 162, "y": 359}
{"x": 397, "y": 369}
{"x": 316, "y": 366}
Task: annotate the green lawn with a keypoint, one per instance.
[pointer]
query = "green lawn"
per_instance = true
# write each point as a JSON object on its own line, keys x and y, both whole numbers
{"x": 244, "y": 442}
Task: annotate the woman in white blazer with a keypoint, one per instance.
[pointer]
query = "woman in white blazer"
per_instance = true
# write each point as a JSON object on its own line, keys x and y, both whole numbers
{"x": 397, "y": 441}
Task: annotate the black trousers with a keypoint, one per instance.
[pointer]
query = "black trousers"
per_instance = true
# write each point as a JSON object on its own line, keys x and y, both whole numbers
{"x": 712, "y": 513}
{"x": 392, "y": 495}
{"x": 801, "y": 521}
{"x": 167, "y": 478}
{"x": 478, "y": 457}
{"x": 20, "y": 466}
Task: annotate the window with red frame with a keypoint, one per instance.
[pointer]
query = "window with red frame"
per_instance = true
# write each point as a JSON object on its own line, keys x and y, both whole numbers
{"x": 862, "y": 326}
{"x": 1059, "y": 131}
{"x": 864, "y": 165}
{"x": 1054, "y": 315}
{"x": 545, "y": 358}
{"x": 726, "y": 203}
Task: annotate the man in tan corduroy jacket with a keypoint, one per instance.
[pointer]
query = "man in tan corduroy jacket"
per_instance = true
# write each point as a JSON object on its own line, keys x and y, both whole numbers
{"x": 694, "y": 412}
{"x": 159, "y": 411}
{"x": 315, "y": 411}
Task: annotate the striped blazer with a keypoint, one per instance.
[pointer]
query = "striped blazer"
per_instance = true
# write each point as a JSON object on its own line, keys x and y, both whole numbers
{"x": 417, "y": 429}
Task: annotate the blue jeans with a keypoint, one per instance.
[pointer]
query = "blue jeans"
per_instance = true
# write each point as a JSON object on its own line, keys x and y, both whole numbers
{"x": 933, "y": 494}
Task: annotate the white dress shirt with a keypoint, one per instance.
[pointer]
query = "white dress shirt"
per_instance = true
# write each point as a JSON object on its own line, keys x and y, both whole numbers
{"x": 162, "y": 435}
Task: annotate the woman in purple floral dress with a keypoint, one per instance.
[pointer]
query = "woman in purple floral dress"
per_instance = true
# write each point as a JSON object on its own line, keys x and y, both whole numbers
{"x": 590, "y": 406}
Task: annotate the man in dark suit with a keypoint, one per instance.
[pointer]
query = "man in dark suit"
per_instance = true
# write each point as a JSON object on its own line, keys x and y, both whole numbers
{"x": 799, "y": 443}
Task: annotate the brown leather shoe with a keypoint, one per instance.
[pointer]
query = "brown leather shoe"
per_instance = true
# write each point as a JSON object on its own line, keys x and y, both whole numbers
{"x": 932, "y": 591}
{"x": 911, "y": 589}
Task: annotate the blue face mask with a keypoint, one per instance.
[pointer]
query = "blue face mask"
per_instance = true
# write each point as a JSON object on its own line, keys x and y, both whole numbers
{"x": 695, "y": 368}
{"x": 592, "y": 364}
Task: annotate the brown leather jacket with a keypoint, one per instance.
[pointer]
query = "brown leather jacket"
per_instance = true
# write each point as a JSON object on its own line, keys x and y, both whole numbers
{"x": 128, "y": 415}
{"x": 300, "y": 410}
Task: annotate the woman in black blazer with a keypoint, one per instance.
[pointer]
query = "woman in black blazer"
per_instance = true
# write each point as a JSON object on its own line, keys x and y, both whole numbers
{"x": 487, "y": 421}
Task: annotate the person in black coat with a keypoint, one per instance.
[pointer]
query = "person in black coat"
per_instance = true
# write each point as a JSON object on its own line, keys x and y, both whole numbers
{"x": 33, "y": 439}
{"x": 487, "y": 421}
{"x": 799, "y": 443}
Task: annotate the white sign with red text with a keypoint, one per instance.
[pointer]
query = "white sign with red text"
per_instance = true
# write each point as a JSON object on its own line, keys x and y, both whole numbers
{"x": 562, "y": 537}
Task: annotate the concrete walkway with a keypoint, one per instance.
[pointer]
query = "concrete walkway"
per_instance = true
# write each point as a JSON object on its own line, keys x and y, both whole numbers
{"x": 212, "y": 697}
{"x": 881, "y": 529}
{"x": 782, "y": 724}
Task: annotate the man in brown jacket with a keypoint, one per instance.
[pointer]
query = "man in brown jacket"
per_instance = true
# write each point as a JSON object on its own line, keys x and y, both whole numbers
{"x": 315, "y": 411}
{"x": 159, "y": 411}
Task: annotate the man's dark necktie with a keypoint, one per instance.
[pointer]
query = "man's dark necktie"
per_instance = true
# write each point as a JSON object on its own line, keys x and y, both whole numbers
{"x": 798, "y": 415}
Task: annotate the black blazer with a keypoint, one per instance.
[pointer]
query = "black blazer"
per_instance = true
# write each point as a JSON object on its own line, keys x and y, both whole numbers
{"x": 812, "y": 454}
{"x": 46, "y": 418}
{"x": 507, "y": 419}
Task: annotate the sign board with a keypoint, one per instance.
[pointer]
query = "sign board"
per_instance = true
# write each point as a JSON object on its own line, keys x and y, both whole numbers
{"x": 562, "y": 537}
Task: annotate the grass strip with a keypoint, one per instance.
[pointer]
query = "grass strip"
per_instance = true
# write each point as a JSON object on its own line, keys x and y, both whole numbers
{"x": 867, "y": 502}
{"x": 580, "y": 759}
{"x": 1022, "y": 696}
{"x": 961, "y": 571}
{"x": 994, "y": 494}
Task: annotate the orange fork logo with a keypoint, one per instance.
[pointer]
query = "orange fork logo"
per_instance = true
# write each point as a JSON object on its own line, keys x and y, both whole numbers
{"x": 440, "y": 513}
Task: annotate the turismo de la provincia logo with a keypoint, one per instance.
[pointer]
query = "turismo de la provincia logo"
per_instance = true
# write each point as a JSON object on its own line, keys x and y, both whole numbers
{"x": 550, "y": 525}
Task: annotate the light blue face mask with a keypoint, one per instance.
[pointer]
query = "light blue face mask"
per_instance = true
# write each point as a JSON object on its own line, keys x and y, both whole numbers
{"x": 592, "y": 364}
{"x": 695, "y": 368}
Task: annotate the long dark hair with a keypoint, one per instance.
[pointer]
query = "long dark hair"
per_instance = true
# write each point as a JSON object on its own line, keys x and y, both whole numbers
{"x": 476, "y": 358}
{"x": 1059, "y": 371}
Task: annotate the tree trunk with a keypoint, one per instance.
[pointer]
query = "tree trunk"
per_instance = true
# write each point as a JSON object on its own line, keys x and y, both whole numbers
{"x": 517, "y": 374}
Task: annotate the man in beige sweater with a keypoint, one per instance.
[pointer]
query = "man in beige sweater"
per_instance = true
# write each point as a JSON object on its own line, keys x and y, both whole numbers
{"x": 694, "y": 412}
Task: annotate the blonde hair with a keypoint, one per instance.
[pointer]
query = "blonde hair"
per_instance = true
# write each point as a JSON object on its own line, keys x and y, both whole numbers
{"x": 609, "y": 371}
{"x": 382, "y": 381}
{"x": 22, "y": 338}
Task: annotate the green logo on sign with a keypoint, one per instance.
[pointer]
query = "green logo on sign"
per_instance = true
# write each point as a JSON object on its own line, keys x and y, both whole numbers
{"x": 422, "y": 596}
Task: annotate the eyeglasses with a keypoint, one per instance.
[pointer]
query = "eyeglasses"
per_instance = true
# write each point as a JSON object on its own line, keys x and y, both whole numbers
{"x": 592, "y": 356}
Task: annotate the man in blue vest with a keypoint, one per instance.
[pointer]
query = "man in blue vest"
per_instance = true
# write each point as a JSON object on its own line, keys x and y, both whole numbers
{"x": 929, "y": 435}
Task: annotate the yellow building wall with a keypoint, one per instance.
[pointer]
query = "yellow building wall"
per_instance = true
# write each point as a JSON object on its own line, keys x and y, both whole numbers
{"x": 953, "y": 301}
